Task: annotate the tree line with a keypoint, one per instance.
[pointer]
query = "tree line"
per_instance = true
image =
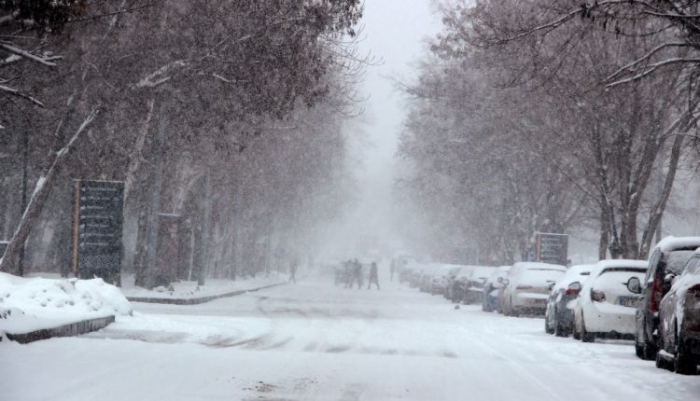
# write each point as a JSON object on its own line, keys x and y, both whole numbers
{"x": 234, "y": 109}
{"x": 549, "y": 116}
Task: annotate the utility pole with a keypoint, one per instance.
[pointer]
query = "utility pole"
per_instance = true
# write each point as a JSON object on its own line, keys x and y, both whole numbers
{"x": 25, "y": 166}
{"x": 153, "y": 218}
{"x": 205, "y": 229}
{"x": 659, "y": 190}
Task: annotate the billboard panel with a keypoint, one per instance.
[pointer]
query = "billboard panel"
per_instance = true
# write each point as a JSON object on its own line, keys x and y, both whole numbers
{"x": 552, "y": 248}
{"x": 97, "y": 229}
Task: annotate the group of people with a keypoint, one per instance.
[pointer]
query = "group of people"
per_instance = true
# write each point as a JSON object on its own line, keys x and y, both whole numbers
{"x": 353, "y": 274}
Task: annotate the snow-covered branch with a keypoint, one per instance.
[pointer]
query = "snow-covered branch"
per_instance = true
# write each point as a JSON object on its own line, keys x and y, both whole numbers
{"x": 15, "y": 92}
{"x": 45, "y": 60}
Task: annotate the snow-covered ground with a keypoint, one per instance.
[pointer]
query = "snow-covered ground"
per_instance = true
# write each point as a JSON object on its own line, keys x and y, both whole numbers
{"x": 315, "y": 341}
{"x": 190, "y": 289}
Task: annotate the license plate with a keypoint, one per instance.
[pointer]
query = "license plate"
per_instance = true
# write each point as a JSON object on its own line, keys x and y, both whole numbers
{"x": 629, "y": 302}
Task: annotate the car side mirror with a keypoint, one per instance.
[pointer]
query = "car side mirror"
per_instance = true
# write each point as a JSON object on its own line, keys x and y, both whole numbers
{"x": 668, "y": 279}
{"x": 634, "y": 285}
{"x": 575, "y": 286}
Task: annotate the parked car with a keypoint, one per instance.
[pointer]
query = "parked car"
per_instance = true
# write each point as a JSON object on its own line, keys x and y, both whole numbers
{"x": 668, "y": 256}
{"x": 679, "y": 320}
{"x": 606, "y": 307}
{"x": 424, "y": 281}
{"x": 559, "y": 315}
{"x": 457, "y": 283}
{"x": 477, "y": 280}
{"x": 439, "y": 279}
{"x": 527, "y": 287}
{"x": 491, "y": 289}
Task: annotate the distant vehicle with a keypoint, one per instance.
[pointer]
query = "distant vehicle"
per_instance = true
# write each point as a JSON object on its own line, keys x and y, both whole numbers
{"x": 404, "y": 266}
{"x": 559, "y": 315}
{"x": 679, "y": 317}
{"x": 457, "y": 283}
{"x": 477, "y": 280}
{"x": 668, "y": 256}
{"x": 425, "y": 279}
{"x": 528, "y": 286}
{"x": 606, "y": 307}
{"x": 491, "y": 289}
{"x": 438, "y": 281}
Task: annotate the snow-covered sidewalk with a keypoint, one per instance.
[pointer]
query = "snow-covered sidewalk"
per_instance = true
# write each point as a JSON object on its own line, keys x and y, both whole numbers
{"x": 31, "y": 304}
{"x": 188, "y": 292}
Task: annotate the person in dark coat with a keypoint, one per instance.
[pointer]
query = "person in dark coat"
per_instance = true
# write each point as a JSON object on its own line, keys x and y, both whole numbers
{"x": 293, "y": 272}
{"x": 373, "y": 276}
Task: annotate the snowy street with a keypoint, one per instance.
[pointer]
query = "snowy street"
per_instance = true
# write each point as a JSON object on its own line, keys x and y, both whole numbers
{"x": 315, "y": 341}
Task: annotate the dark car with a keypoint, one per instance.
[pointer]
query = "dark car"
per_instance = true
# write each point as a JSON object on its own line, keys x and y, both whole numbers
{"x": 679, "y": 320}
{"x": 669, "y": 256}
{"x": 559, "y": 315}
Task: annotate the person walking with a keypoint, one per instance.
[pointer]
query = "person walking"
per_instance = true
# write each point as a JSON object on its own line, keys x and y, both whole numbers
{"x": 293, "y": 271}
{"x": 373, "y": 276}
{"x": 356, "y": 274}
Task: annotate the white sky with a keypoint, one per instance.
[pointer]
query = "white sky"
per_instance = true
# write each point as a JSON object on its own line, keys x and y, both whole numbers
{"x": 395, "y": 32}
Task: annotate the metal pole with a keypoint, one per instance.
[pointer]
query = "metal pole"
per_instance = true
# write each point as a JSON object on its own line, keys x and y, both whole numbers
{"x": 25, "y": 162}
{"x": 659, "y": 190}
{"x": 152, "y": 228}
{"x": 205, "y": 229}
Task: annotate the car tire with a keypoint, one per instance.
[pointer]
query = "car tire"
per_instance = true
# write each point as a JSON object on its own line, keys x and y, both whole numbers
{"x": 639, "y": 350}
{"x": 586, "y": 337}
{"x": 559, "y": 329}
{"x": 649, "y": 351}
{"x": 683, "y": 363}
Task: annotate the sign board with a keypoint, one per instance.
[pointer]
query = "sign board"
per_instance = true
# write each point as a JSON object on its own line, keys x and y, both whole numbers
{"x": 552, "y": 248}
{"x": 97, "y": 229}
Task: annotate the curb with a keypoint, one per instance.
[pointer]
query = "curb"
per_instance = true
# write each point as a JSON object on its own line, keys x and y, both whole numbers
{"x": 199, "y": 300}
{"x": 68, "y": 330}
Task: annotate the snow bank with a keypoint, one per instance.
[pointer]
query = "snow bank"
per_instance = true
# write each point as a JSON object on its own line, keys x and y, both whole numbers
{"x": 29, "y": 304}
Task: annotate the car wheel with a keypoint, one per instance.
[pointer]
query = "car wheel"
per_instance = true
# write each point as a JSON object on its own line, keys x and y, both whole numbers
{"x": 559, "y": 329}
{"x": 639, "y": 350}
{"x": 649, "y": 351}
{"x": 547, "y": 328}
{"x": 682, "y": 362}
{"x": 586, "y": 337}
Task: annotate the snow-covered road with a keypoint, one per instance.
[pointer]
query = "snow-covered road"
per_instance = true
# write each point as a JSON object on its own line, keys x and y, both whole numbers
{"x": 315, "y": 341}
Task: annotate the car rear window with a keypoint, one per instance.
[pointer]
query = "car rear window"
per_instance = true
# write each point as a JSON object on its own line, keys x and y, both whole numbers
{"x": 677, "y": 260}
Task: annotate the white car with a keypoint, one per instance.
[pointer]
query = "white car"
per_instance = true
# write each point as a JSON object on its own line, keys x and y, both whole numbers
{"x": 527, "y": 287}
{"x": 440, "y": 278}
{"x": 606, "y": 307}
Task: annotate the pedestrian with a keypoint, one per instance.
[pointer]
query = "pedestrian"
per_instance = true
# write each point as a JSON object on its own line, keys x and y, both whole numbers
{"x": 357, "y": 274}
{"x": 373, "y": 276}
{"x": 293, "y": 271}
{"x": 348, "y": 269}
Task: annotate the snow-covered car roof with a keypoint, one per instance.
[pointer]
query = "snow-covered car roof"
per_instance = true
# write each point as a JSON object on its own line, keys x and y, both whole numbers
{"x": 671, "y": 243}
{"x": 483, "y": 271}
{"x": 607, "y": 264}
{"x": 539, "y": 265}
{"x": 578, "y": 273}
